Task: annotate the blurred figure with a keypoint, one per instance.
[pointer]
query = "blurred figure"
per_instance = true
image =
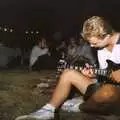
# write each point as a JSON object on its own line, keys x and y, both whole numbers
{"x": 71, "y": 49}
{"x": 61, "y": 49}
{"x": 40, "y": 57}
{"x": 84, "y": 54}
{"x": 62, "y": 46}
{"x": 9, "y": 57}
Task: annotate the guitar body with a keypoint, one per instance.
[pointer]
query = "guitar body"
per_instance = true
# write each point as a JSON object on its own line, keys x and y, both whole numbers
{"x": 112, "y": 66}
{"x": 106, "y": 78}
{"x": 106, "y": 99}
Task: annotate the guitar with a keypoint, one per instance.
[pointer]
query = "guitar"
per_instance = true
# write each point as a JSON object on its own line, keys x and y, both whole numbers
{"x": 62, "y": 65}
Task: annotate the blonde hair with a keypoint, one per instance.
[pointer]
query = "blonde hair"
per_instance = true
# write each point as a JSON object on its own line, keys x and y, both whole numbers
{"x": 96, "y": 27}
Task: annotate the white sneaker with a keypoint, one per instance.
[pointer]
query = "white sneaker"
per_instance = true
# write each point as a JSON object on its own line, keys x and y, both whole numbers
{"x": 72, "y": 105}
{"x": 42, "y": 114}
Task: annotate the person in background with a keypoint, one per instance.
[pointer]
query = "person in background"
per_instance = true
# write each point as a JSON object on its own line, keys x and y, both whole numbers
{"x": 84, "y": 54}
{"x": 40, "y": 57}
{"x": 62, "y": 46}
{"x": 9, "y": 57}
{"x": 61, "y": 50}
{"x": 71, "y": 49}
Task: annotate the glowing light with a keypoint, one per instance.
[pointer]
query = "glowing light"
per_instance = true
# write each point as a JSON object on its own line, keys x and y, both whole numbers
{"x": 5, "y": 29}
{"x": 37, "y": 32}
{"x": 11, "y": 30}
{"x": 26, "y": 32}
{"x": 32, "y": 32}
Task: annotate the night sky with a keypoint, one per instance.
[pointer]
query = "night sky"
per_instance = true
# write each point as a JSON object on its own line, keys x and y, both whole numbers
{"x": 56, "y": 15}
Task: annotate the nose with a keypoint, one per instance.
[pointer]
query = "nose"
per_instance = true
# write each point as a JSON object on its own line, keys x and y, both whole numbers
{"x": 91, "y": 45}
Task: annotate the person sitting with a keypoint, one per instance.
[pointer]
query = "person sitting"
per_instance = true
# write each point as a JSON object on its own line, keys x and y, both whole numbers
{"x": 71, "y": 49}
{"x": 99, "y": 34}
{"x": 40, "y": 57}
{"x": 84, "y": 54}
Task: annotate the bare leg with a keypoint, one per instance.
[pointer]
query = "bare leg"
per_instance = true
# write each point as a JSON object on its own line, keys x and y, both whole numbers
{"x": 69, "y": 78}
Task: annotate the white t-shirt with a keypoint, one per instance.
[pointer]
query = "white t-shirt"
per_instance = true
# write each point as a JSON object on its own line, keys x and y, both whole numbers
{"x": 105, "y": 54}
{"x": 36, "y": 52}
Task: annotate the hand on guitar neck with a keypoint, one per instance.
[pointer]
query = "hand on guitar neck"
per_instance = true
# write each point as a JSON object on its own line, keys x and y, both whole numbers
{"x": 88, "y": 71}
{"x": 112, "y": 71}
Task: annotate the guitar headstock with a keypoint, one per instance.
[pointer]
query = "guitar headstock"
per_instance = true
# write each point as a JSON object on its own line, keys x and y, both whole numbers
{"x": 61, "y": 65}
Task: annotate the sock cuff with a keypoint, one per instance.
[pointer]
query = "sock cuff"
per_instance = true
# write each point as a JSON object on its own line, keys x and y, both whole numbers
{"x": 51, "y": 107}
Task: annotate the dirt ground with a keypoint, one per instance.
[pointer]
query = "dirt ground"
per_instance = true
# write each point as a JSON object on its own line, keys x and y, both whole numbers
{"x": 22, "y": 92}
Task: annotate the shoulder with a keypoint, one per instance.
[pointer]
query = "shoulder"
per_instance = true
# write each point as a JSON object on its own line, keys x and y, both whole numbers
{"x": 101, "y": 51}
{"x": 35, "y": 48}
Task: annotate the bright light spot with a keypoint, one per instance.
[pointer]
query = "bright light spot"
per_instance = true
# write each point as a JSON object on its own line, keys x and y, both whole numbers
{"x": 37, "y": 32}
{"x": 32, "y": 32}
{"x": 5, "y": 29}
{"x": 26, "y": 32}
{"x": 11, "y": 30}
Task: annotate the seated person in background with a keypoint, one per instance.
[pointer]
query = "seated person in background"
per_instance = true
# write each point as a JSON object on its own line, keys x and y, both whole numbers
{"x": 84, "y": 54}
{"x": 40, "y": 57}
{"x": 62, "y": 46}
{"x": 61, "y": 49}
{"x": 80, "y": 52}
{"x": 71, "y": 49}
{"x": 99, "y": 34}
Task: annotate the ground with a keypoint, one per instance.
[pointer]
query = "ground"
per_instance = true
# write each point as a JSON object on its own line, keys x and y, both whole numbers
{"x": 22, "y": 92}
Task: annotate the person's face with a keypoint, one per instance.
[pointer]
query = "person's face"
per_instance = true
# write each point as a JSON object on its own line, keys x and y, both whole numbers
{"x": 72, "y": 41}
{"x": 99, "y": 43}
{"x": 42, "y": 44}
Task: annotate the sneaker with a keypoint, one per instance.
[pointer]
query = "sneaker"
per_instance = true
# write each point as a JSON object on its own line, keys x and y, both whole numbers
{"x": 72, "y": 105}
{"x": 42, "y": 114}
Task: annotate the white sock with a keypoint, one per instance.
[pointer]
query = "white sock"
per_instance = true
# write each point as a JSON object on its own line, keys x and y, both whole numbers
{"x": 49, "y": 106}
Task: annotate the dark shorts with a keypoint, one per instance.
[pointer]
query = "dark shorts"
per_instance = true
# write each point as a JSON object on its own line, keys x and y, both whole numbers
{"x": 103, "y": 108}
{"x": 91, "y": 90}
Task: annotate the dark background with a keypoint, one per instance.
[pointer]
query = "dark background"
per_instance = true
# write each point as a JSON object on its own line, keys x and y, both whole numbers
{"x": 51, "y": 16}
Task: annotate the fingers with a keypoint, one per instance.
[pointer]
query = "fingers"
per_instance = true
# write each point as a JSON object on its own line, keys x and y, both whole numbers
{"x": 88, "y": 66}
{"x": 88, "y": 72}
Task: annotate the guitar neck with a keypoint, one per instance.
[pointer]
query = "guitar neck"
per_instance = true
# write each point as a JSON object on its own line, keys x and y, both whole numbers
{"x": 102, "y": 72}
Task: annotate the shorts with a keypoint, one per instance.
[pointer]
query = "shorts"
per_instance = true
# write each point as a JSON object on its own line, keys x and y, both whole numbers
{"x": 91, "y": 90}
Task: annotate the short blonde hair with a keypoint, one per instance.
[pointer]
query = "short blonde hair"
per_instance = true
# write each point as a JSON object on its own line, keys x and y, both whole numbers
{"x": 95, "y": 27}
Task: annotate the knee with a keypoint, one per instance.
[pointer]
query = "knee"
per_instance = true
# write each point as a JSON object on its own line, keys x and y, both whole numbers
{"x": 68, "y": 75}
{"x": 108, "y": 92}
{"x": 105, "y": 97}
